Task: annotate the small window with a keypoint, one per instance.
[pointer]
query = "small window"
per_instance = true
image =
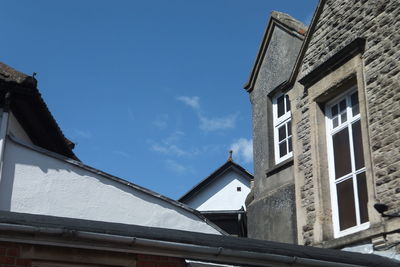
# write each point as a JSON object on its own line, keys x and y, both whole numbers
{"x": 238, "y": 189}
{"x": 346, "y": 165}
{"x": 282, "y": 128}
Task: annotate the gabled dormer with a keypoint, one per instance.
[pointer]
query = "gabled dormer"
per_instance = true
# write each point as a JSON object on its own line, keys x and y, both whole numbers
{"x": 271, "y": 203}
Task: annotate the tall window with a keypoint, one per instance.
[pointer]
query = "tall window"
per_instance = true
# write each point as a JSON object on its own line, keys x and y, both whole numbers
{"x": 346, "y": 165}
{"x": 282, "y": 128}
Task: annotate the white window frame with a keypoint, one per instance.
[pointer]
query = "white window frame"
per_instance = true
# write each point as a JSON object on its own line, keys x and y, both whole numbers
{"x": 330, "y": 131}
{"x": 284, "y": 119}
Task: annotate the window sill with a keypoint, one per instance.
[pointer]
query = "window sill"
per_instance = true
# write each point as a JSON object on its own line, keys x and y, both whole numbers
{"x": 280, "y": 166}
{"x": 353, "y": 238}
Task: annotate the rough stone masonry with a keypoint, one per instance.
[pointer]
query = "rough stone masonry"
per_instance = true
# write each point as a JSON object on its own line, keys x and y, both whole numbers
{"x": 341, "y": 21}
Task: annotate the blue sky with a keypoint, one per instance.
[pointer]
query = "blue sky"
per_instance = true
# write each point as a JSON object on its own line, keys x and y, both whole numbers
{"x": 150, "y": 91}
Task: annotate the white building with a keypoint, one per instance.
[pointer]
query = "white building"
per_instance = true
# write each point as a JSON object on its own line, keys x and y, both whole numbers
{"x": 39, "y": 173}
{"x": 221, "y": 197}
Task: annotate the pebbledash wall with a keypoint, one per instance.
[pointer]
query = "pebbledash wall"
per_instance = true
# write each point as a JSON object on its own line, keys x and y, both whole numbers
{"x": 38, "y": 182}
{"x": 374, "y": 69}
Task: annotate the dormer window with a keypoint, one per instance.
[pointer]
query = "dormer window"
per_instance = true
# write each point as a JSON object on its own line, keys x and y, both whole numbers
{"x": 282, "y": 128}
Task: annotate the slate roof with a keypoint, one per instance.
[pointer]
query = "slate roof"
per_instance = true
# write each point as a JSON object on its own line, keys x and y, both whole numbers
{"x": 228, "y": 165}
{"x": 120, "y": 236}
{"x": 32, "y": 112}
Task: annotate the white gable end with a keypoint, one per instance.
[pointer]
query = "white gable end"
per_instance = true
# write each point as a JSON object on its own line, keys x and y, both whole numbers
{"x": 37, "y": 183}
{"x": 227, "y": 192}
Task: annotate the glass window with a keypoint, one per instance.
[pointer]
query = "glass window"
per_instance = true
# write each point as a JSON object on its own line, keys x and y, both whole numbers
{"x": 282, "y": 128}
{"x": 346, "y": 165}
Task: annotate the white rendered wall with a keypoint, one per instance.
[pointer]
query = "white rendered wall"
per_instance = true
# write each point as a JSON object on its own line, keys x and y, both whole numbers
{"x": 222, "y": 194}
{"x": 15, "y": 129}
{"x": 35, "y": 183}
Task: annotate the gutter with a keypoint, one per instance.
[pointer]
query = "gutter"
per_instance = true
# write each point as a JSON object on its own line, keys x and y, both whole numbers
{"x": 131, "y": 244}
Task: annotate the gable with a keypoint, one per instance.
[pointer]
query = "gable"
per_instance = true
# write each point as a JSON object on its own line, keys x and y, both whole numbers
{"x": 227, "y": 192}
{"x": 277, "y": 54}
{"x": 37, "y": 181}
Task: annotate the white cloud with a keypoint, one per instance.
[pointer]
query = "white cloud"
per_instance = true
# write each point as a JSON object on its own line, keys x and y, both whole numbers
{"x": 177, "y": 167}
{"x": 169, "y": 150}
{"x": 121, "y": 153}
{"x": 215, "y": 124}
{"x": 161, "y": 121}
{"x": 83, "y": 134}
{"x": 243, "y": 150}
{"x": 192, "y": 102}
{"x": 169, "y": 145}
{"x": 207, "y": 124}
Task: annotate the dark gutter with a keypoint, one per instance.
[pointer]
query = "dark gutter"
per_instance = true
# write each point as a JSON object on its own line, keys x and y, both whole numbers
{"x": 58, "y": 231}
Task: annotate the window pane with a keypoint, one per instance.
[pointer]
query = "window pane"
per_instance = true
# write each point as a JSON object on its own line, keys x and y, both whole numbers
{"x": 347, "y": 212}
{"x": 334, "y": 110}
{"x": 290, "y": 144}
{"x": 287, "y": 103}
{"x": 341, "y": 153}
{"x": 282, "y": 132}
{"x": 282, "y": 149}
{"x": 342, "y": 105}
{"x": 289, "y": 127}
{"x": 354, "y": 104}
{"x": 343, "y": 117}
{"x": 281, "y": 106}
{"x": 357, "y": 142}
{"x": 335, "y": 122}
{"x": 362, "y": 197}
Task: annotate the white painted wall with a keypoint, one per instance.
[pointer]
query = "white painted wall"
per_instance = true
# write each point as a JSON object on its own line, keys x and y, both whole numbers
{"x": 15, "y": 129}
{"x": 222, "y": 194}
{"x": 36, "y": 183}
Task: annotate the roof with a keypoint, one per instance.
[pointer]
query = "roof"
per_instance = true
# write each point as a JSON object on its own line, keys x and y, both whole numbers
{"x": 291, "y": 25}
{"x": 119, "y": 180}
{"x": 228, "y": 165}
{"x": 48, "y": 230}
{"x": 32, "y": 112}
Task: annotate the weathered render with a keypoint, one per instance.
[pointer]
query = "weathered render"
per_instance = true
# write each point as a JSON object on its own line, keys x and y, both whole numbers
{"x": 271, "y": 204}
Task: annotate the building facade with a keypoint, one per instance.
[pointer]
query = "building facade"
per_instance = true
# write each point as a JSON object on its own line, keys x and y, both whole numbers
{"x": 343, "y": 94}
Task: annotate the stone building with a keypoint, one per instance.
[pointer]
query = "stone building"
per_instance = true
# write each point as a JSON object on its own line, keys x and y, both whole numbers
{"x": 56, "y": 211}
{"x": 326, "y": 126}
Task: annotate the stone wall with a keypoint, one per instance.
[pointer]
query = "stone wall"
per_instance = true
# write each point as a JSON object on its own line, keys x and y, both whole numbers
{"x": 341, "y": 22}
